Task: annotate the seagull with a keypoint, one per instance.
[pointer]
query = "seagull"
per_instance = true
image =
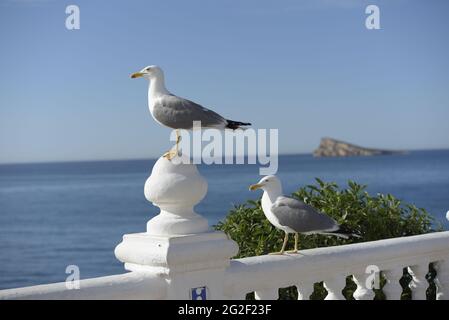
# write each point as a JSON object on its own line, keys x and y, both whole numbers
{"x": 177, "y": 113}
{"x": 292, "y": 215}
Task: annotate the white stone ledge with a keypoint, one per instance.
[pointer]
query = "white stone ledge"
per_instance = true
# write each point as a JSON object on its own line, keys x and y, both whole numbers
{"x": 263, "y": 273}
{"x": 132, "y": 285}
{"x": 314, "y": 265}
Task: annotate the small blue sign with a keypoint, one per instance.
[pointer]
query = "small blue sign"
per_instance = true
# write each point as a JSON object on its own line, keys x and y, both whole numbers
{"x": 199, "y": 293}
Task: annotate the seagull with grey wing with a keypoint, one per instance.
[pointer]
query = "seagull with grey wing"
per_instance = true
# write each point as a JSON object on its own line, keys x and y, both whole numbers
{"x": 176, "y": 112}
{"x": 292, "y": 215}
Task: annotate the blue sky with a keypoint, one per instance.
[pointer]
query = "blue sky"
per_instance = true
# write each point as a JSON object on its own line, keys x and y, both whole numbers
{"x": 309, "y": 68}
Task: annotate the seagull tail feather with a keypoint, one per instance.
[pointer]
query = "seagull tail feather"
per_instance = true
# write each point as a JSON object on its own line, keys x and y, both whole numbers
{"x": 230, "y": 124}
{"x": 342, "y": 234}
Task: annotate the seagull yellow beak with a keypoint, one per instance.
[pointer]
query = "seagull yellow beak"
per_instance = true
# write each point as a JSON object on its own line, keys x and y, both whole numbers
{"x": 137, "y": 75}
{"x": 255, "y": 186}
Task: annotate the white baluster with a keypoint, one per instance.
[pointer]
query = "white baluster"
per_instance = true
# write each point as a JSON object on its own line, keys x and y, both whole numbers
{"x": 305, "y": 290}
{"x": 268, "y": 294}
{"x": 442, "y": 279}
{"x": 363, "y": 292}
{"x": 392, "y": 288}
{"x": 419, "y": 282}
{"x": 334, "y": 287}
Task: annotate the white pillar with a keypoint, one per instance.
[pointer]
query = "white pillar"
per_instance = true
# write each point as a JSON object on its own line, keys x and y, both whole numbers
{"x": 305, "y": 290}
{"x": 178, "y": 244}
{"x": 362, "y": 292}
{"x": 334, "y": 287}
{"x": 392, "y": 288}
{"x": 442, "y": 279}
{"x": 419, "y": 283}
{"x": 268, "y": 294}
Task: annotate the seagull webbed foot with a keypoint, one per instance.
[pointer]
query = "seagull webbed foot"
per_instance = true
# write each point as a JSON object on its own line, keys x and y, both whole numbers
{"x": 169, "y": 155}
{"x": 175, "y": 150}
{"x": 280, "y": 253}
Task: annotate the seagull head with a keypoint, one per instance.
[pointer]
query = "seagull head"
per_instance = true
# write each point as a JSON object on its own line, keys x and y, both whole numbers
{"x": 267, "y": 183}
{"x": 149, "y": 72}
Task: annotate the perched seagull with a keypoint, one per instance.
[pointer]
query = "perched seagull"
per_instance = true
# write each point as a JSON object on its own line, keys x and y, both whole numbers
{"x": 176, "y": 112}
{"x": 291, "y": 215}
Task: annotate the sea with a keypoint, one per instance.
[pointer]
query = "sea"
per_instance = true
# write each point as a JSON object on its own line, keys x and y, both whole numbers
{"x": 56, "y": 215}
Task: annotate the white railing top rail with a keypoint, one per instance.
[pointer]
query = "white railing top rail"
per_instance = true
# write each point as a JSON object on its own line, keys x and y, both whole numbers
{"x": 131, "y": 285}
{"x": 314, "y": 265}
{"x": 261, "y": 273}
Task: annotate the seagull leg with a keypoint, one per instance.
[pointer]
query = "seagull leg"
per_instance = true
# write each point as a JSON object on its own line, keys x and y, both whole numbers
{"x": 173, "y": 153}
{"x": 296, "y": 244}
{"x": 178, "y": 140}
{"x": 169, "y": 154}
{"x": 283, "y": 245}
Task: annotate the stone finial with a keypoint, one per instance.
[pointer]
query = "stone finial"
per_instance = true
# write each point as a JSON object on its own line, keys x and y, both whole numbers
{"x": 178, "y": 242}
{"x": 175, "y": 188}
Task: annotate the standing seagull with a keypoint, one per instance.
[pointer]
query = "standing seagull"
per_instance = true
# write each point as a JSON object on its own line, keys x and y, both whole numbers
{"x": 176, "y": 112}
{"x": 291, "y": 215}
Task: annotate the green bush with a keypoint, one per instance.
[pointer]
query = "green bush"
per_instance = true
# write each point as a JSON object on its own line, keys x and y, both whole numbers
{"x": 372, "y": 217}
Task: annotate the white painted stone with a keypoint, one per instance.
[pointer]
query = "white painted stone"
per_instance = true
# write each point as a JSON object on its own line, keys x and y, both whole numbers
{"x": 178, "y": 244}
{"x": 175, "y": 189}
{"x": 175, "y": 254}
{"x": 362, "y": 292}
{"x": 247, "y": 274}
{"x": 442, "y": 279}
{"x": 267, "y": 294}
{"x": 305, "y": 290}
{"x": 315, "y": 265}
{"x": 131, "y": 285}
{"x": 392, "y": 288}
{"x": 185, "y": 262}
{"x": 334, "y": 287}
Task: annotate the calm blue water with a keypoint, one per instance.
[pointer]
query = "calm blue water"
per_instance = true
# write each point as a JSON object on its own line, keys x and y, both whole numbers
{"x": 54, "y": 215}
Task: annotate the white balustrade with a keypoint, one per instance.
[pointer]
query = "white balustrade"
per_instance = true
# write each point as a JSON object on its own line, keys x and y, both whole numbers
{"x": 315, "y": 265}
{"x": 266, "y": 274}
{"x": 180, "y": 257}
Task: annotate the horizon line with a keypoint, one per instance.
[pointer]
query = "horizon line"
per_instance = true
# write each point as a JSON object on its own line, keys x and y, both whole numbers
{"x": 155, "y": 158}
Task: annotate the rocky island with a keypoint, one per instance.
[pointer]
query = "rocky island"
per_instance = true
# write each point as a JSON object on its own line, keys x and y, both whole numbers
{"x": 335, "y": 148}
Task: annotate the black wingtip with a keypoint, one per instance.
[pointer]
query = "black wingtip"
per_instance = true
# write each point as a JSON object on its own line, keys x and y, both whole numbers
{"x": 346, "y": 234}
{"x": 343, "y": 232}
{"x": 236, "y": 124}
